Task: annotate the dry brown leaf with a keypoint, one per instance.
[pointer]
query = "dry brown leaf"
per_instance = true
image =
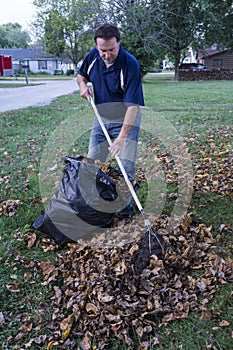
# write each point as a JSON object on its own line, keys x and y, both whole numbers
{"x": 32, "y": 239}
{"x": 2, "y": 320}
{"x": 105, "y": 298}
{"x": 13, "y": 287}
{"x": 87, "y": 340}
{"x": 58, "y": 295}
{"x": 27, "y": 276}
{"x": 47, "y": 267}
{"x": 224, "y": 323}
{"x": 91, "y": 308}
{"x": 206, "y": 315}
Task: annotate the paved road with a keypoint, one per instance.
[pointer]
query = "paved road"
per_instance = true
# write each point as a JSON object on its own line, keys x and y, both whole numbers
{"x": 38, "y": 95}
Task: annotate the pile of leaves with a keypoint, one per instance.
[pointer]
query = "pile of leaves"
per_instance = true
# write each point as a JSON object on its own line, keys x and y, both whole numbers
{"x": 98, "y": 295}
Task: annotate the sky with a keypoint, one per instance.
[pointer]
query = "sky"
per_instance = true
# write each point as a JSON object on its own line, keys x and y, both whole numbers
{"x": 17, "y": 11}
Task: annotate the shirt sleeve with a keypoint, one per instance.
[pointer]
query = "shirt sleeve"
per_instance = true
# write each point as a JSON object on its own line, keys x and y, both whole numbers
{"x": 133, "y": 93}
{"x": 83, "y": 70}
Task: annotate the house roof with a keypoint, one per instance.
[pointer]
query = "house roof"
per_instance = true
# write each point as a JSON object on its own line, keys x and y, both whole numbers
{"x": 209, "y": 52}
{"x": 28, "y": 54}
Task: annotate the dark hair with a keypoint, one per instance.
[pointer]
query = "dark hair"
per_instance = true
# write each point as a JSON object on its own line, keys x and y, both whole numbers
{"x": 107, "y": 31}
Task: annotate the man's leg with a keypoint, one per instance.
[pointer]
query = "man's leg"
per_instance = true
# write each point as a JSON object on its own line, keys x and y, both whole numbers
{"x": 128, "y": 158}
{"x": 98, "y": 146}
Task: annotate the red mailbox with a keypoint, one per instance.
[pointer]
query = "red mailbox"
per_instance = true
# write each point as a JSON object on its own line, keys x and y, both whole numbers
{"x": 6, "y": 66}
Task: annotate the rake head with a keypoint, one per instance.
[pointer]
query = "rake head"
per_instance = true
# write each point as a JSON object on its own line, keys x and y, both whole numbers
{"x": 152, "y": 243}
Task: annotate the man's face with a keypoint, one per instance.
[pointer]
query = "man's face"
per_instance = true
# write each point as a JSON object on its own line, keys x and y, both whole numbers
{"x": 108, "y": 50}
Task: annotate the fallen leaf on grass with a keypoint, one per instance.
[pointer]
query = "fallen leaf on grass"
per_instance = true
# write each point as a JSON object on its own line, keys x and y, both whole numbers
{"x": 9, "y": 207}
{"x": 224, "y": 323}
{"x": 91, "y": 308}
{"x": 213, "y": 171}
{"x": 31, "y": 239}
{"x": 13, "y": 287}
{"x": 47, "y": 267}
{"x": 87, "y": 340}
{"x": 2, "y": 320}
{"x": 52, "y": 344}
{"x": 206, "y": 315}
{"x": 27, "y": 276}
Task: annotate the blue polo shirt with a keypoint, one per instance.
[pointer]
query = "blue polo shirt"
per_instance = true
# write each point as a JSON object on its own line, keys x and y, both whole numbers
{"x": 121, "y": 82}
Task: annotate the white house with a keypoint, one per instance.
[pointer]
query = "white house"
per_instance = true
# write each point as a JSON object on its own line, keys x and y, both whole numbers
{"x": 190, "y": 56}
{"x": 37, "y": 60}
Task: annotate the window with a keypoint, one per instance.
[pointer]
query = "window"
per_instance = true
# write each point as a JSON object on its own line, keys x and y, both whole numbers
{"x": 217, "y": 63}
{"x": 42, "y": 65}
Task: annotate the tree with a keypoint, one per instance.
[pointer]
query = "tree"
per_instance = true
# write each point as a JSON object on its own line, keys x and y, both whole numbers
{"x": 227, "y": 27}
{"x": 70, "y": 21}
{"x": 195, "y": 24}
{"x": 151, "y": 29}
{"x": 155, "y": 28}
{"x": 54, "y": 34}
{"x": 135, "y": 19}
{"x": 3, "y": 37}
{"x": 180, "y": 21}
{"x": 76, "y": 21}
{"x": 217, "y": 27}
{"x": 12, "y": 36}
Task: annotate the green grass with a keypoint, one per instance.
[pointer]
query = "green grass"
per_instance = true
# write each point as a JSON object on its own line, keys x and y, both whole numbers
{"x": 34, "y": 77}
{"x": 198, "y": 96}
{"x": 13, "y": 85}
{"x": 201, "y": 113}
{"x": 33, "y": 80}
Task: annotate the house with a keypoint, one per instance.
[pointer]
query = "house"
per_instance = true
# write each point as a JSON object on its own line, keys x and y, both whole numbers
{"x": 215, "y": 58}
{"x": 37, "y": 60}
{"x": 190, "y": 56}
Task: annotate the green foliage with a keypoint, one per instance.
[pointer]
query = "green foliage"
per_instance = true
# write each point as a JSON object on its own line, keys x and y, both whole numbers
{"x": 66, "y": 26}
{"x": 54, "y": 34}
{"x": 181, "y": 25}
{"x": 12, "y": 36}
{"x": 3, "y": 37}
{"x": 218, "y": 11}
{"x": 155, "y": 29}
{"x": 150, "y": 30}
{"x": 136, "y": 30}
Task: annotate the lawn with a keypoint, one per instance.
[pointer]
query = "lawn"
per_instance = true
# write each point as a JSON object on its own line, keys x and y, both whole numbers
{"x": 185, "y": 149}
{"x": 33, "y": 79}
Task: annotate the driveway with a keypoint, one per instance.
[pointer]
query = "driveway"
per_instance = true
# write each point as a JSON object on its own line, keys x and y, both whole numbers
{"x": 38, "y": 95}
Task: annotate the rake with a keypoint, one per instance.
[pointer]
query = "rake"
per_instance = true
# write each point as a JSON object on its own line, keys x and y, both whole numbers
{"x": 150, "y": 232}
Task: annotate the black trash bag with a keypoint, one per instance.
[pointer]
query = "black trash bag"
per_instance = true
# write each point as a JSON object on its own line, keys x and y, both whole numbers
{"x": 85, "y": 202}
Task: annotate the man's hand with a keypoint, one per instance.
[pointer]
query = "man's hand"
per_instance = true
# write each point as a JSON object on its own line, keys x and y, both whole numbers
{"x": 84, "y": 90}
{"x": 117, "y": 146}
{"x": 119, "y": 143}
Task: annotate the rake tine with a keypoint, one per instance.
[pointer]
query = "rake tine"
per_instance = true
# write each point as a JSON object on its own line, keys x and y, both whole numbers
{"x": 150, "y": 231}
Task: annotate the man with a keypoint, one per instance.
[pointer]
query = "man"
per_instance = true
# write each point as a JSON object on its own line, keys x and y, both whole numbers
{"x": 116, "y": 80}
